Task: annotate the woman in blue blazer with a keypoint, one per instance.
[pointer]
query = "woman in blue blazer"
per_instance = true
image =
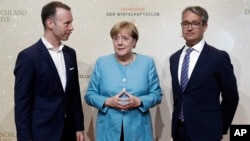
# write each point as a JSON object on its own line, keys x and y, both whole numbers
{"x": 124, "y": 75}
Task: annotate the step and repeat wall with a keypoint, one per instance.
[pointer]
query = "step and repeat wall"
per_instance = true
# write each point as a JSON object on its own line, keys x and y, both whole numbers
{"x": 158, "y": 22}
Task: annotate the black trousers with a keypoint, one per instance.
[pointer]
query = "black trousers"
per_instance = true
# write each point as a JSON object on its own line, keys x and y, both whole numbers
{"x": 181, "y": 134}
{"x": 69, "y": 133}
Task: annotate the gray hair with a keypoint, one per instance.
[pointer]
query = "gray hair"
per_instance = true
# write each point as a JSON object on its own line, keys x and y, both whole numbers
{"x": 199, "y": 11}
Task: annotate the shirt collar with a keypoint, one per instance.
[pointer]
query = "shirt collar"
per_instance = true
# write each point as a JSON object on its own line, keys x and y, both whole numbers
{"x": 198, "y": 47}
{"x": 49, "y": 46}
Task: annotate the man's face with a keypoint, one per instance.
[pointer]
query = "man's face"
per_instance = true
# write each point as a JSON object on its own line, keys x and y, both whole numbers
{"x": 62, "y": 26}
{"x": 192, "y": 28}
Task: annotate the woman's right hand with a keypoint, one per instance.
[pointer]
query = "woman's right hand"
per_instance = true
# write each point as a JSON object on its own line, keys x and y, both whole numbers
{"x": 115, "y": 101}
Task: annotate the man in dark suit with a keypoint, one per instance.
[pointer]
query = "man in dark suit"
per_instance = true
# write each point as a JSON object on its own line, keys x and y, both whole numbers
{"x": 47, "y": 95}
{"x": 207, "y": 74}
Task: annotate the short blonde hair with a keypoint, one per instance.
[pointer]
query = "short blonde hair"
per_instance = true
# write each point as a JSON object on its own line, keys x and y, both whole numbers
{"x": 115, "y": 30}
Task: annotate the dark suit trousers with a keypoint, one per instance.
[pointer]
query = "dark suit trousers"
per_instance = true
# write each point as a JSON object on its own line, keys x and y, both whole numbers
{"x": 181, "y": 134}
{"x": 69, "y": 133}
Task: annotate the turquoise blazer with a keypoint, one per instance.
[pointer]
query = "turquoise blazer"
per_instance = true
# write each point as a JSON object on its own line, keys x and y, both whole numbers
{"x": 109, "y": 78}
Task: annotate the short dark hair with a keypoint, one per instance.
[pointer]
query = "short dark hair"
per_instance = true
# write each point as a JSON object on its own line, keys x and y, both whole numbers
{"x": 49, "y": 10}
{"x": 199, "y": 11}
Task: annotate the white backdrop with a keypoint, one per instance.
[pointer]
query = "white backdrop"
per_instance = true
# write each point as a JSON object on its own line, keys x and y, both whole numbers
{"x": 158, "y": 22}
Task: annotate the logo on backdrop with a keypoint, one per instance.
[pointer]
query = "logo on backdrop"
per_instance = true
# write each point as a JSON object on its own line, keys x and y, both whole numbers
{"x": 7, "y": 15}
{"x": 239, "y": 132}
{"x": 133, "y": 12}
{"x": 84, "y": 71}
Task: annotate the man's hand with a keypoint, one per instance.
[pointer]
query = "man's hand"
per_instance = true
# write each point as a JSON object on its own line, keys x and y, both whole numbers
{"x": 80, "y": 136}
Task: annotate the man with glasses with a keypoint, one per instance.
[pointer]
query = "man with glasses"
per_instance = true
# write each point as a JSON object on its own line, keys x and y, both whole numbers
{"x": 201, "y": 74}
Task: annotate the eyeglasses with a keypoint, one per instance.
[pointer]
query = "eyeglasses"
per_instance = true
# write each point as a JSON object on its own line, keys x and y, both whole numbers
{"x": 193, "y": 24}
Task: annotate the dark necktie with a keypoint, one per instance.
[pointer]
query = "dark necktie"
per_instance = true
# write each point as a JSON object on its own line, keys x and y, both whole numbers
{"x": 184, "y": 77}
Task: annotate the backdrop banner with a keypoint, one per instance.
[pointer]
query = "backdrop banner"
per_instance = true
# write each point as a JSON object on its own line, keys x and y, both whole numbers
{"x": 158, "y": 22}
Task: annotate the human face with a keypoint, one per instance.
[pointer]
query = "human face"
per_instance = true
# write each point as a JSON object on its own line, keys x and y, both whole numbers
{"x": 123, "y": 43}
{"x": 61, "y": 25}
{"x": 192, "y": 35}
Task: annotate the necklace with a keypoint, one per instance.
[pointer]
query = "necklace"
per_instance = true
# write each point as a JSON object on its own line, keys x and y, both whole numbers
{"x": 126, "y": 62}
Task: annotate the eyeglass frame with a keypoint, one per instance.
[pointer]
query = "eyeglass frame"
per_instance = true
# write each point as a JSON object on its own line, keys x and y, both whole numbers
{"x": 195, "y": 25}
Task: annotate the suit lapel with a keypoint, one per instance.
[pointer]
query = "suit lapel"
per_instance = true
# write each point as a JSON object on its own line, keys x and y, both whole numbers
{"x": 67, "y": 60}
{"x": 45, "y": 54}
{"x": 199, "y": 64}
{"x": 175, "y": 68}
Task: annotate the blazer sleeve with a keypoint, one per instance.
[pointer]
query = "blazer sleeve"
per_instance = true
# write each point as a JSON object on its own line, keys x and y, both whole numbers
{"x": 93, "y": 96}
{"x": 79, "y": 115}
{"x": 230, "y": 97}
{"x": 154, "y": 95}
{"x": 24, "y": 73}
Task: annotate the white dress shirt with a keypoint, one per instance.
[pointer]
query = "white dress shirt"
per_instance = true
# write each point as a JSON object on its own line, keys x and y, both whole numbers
{"x": 58, "y": 58}
{"x": 194, "y": 55}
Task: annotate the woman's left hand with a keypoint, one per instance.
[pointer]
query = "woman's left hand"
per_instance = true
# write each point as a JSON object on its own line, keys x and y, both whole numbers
{"x": 133, "y": 101}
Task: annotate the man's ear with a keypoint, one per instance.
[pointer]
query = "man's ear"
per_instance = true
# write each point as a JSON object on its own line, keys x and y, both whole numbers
{"x": 50, "y": 23}
{"x": 205, "y": 27}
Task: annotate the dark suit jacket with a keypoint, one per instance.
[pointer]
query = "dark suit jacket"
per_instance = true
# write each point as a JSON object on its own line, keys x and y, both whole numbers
{"x": 40, "y": 101}
{"x": 206, "y": 117}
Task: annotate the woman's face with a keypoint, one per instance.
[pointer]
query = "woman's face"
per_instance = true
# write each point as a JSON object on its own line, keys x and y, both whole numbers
{"x": 123, "y": 43}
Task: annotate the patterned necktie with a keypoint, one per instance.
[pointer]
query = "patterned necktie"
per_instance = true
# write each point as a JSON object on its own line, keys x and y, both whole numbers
{"x": 184, "y": 69}
{"x": 184, "y": 77}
